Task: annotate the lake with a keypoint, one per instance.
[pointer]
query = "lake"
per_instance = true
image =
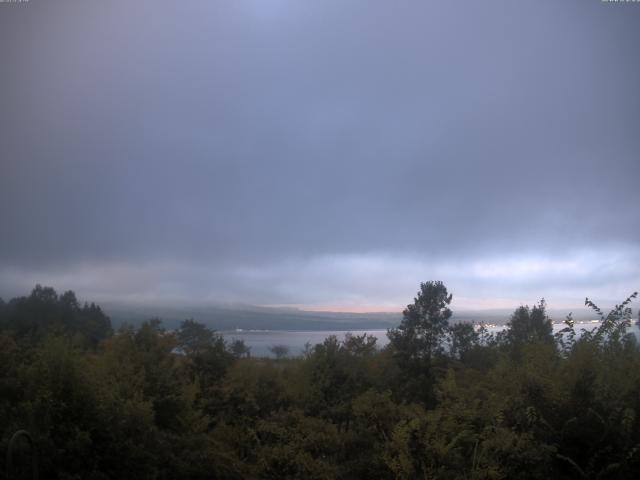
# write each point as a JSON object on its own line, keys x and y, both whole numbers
{"x": 261, "y": 340}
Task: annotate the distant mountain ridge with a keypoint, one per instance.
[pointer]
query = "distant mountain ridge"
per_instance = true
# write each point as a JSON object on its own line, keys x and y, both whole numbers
{"x": 256, "y": 318}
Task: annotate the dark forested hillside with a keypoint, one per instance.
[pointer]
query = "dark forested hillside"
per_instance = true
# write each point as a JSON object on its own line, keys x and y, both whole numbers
{"x": 442, "y": 400}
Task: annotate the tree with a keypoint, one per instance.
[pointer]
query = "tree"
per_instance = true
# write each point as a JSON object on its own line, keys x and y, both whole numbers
{"x": 280, "y": 351}
{"x": 240, "y": 349}
{"x": 463, "y": 338}
{"x": 194, "y": 337}
{"x": 359, "y": 345}
{"x": 418, "y": 341}
{"x": 43, "y": 312}
{"x": 424, "y": 324}
{"x": 207, "y": 356}
{"x": 530, "y": 325}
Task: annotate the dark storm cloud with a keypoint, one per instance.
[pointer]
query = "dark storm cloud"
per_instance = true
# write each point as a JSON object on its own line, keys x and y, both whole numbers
{"x": 205, "y": 149}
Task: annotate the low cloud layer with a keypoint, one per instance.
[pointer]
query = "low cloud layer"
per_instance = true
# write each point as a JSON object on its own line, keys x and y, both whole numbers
{"x": 321, "y": 154}
{"x": 348, "y": 282}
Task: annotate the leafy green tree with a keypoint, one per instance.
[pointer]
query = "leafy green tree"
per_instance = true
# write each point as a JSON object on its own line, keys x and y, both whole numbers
{"x": 280, "y": 351}
{"x": 613, "y": 326}
{"x": 148, "y": 403}
{"x": 419, "y": 341}
{"x": 463, "y": 338}
{"x": 92, "y": 323}
{"x": 530, "y": 325}
{"x": 43, "y": 312}
{"x": 422, "y": 330}
{"x": 336, "y": 373}
{"x": 360, "y": 345}
{"x": 207, "y": 360}
{"x": 194, "y": 337}
{"x": 239, "y": 348}
{"x": 293, "y": 446}
{"x": 375, "y": 416}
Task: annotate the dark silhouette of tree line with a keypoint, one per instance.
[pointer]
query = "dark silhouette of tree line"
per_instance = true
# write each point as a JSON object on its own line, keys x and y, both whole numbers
{"x": 441, "y": 400}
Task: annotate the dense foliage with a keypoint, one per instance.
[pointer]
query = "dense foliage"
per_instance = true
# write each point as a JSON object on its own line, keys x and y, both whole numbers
{"x": 440, "y": 401}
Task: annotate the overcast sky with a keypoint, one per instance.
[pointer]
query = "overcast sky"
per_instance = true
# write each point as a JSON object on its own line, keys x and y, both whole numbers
{"x": 323, "y": 154}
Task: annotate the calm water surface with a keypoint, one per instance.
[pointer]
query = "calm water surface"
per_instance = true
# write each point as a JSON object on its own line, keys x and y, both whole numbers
{"x": 261, "y": 341}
